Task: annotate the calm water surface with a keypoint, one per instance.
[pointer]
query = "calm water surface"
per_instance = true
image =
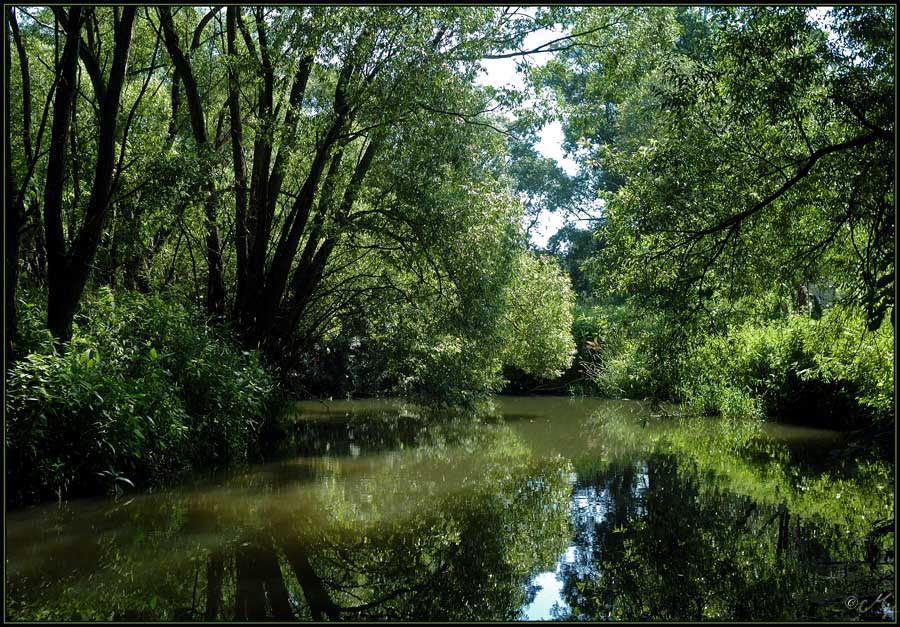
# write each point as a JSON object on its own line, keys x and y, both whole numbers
{"x": 546, "y": 508}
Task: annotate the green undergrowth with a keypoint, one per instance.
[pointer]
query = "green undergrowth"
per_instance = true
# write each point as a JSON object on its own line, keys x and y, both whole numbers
{"x": 145, "y": 389}
{"x": 830, "y": 372}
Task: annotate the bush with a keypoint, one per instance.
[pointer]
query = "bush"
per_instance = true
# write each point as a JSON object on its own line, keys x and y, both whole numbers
{"x": 830, "y": 372}
{"x": 625, "y": 355}
{"x": 144, "y": 389}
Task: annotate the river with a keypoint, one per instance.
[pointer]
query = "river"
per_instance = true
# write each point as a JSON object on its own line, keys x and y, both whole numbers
{"x": 544, "y": 508}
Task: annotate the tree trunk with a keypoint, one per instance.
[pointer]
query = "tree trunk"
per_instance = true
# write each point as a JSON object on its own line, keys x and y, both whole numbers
{"x": 314, "y": 259}
{"x": 14, "y": 211}
{"x": 215, "y": 284}
{"x": 60, "y": 308}
{"x": 12, "y": 224}
{"x": 68, "y": 281}
{"x": 279, "y": 270}
{"x": 215, "y": 281}
{"x": 240, "y": 176}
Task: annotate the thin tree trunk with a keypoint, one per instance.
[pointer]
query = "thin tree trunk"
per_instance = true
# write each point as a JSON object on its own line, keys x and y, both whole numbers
{"x": 215, "y": 285}
{"x": 240, "y": 176}
{"x": 14, "y": 208}
{"x": 12, "y": 224}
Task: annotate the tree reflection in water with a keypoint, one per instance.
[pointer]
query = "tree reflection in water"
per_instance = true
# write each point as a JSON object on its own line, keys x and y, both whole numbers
{"x": 449, "y": 529}
{"x": 633, "y": 518}
{"x": 673, "y": 537}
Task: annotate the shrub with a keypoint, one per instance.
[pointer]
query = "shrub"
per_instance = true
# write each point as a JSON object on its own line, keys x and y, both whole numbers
{"x": 830, "y": 372}
{"x": 826, "y": 372}
{"x": 623, "y": 354}
{"x": 144, "y": 388}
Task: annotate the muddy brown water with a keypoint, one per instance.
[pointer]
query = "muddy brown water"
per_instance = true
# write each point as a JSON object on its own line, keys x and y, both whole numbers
{"x": 544, "y": 508}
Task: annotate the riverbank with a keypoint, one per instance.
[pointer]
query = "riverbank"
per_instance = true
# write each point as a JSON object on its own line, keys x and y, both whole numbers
{"x": 144, "y": 391}
{"x": 147, "y": 390}
{"x": 829, "y": 371}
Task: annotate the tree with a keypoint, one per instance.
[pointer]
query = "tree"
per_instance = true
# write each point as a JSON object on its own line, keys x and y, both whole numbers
{"x": 745, "y": 159}
{"x": 68, "y": 266}
{"x": 358, "y": 130}
{"x": 538, "y": 318}
{"x": 215, "y": 287}
{"x": 321, "y": 163}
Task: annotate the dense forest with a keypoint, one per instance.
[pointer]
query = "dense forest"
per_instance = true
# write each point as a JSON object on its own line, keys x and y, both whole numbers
{"x": 211, "y": 210}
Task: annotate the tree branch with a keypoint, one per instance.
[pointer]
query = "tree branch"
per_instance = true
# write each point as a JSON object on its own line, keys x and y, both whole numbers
{"x": 801, "y": 173}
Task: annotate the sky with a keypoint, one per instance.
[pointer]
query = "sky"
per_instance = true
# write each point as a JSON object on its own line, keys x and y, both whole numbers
{"x": 502, "y": 73}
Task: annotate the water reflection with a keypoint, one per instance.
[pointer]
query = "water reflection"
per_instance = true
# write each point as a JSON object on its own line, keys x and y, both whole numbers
{"x": 673, "y": 537}
{"x": 549, "y": 508}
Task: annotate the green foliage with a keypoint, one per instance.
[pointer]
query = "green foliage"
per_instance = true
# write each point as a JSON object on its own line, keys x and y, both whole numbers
{"x": 510, "y": 308}
{"x": 730, "y": 149}
{"x": 738, "y": 156}
{"x": 575, "y": 247}
{"x": 591, "y": 332}
{"x": 144, "y": 389}
{"x": 539, "y": 304}
{"x": 831, "y": 372}
{"x": 737, "y": 153}
{"x": 624, "y": 353}
{"x": 448, "y": 369}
